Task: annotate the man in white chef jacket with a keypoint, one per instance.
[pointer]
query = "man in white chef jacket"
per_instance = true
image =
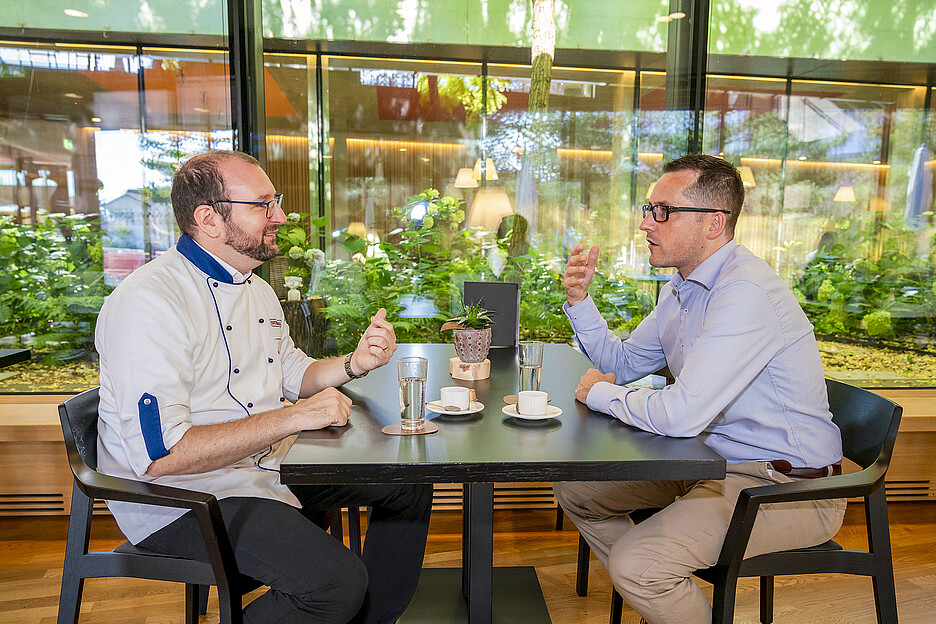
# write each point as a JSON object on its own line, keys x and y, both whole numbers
{"x": 197, "y": 366}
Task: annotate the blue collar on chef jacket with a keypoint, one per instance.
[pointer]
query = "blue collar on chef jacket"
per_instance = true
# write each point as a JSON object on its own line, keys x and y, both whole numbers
{"x": 204, "y": 260}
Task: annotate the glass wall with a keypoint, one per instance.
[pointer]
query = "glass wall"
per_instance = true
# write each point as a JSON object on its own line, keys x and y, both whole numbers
{"x": 404, "y": 141}
{"x": 90, "y": 138}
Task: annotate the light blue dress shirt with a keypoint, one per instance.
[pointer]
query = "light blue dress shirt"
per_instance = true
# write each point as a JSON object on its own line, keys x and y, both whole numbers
{"x": 749, "y": 380}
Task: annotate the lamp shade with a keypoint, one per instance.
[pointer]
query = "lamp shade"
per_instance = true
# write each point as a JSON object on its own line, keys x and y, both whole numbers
{"x": 747, "y": 176}
{"x": 464, "y": 179}
{"x": 845, "y": 194}
{"x": 490, "y": 172}
{"x": 650, "y": 190}
{"x": 490, "y": 205}
{"x": 357, "y": 228}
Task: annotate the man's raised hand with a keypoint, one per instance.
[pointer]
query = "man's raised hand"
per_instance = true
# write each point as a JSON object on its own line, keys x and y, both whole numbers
{"x": 579, "y": 272}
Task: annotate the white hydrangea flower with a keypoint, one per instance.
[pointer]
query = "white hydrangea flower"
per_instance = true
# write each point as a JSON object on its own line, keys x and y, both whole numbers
{"x": 293, "y": 216}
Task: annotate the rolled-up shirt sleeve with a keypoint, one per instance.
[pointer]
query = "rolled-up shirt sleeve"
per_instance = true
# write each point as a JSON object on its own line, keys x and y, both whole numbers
{"x": 294, "y": 363}
{"x": 147, "y": 354}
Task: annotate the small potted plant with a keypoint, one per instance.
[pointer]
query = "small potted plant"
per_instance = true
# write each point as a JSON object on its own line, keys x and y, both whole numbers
{"x": 471, "y": 333}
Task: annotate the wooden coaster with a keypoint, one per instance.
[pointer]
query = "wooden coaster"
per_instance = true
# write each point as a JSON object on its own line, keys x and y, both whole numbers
{"x": 469, "y": 371}
{"x": 397, "y": 429}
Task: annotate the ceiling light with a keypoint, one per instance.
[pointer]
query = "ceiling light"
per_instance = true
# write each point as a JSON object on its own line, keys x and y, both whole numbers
{"x": 96, "y": 119}
{"x": 75, "y": 13}
{"x": 74, "y": 96}
{"x": 677, "y": 15}
{"x": 664, "y": 18}
{"x": 202, "y": 110}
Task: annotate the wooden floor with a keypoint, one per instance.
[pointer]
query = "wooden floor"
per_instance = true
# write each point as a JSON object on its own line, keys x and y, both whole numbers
{"x": 31, "y": 552}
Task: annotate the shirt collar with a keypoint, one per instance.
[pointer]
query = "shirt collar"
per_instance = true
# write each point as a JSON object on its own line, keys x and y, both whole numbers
{"x": 208, "y": 263}
{"x": 707, "y": 273}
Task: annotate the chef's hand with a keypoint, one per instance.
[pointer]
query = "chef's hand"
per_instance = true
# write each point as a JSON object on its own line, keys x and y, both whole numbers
{"x": 376, "y": 346}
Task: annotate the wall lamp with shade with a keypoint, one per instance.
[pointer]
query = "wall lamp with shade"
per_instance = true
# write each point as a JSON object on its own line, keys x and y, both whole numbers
{"x": 747, "y": 176}
{"x": 465, "y": 178}
{"x": 490, "y": 172}
{"x": 490, "y": 205}
{"x": 650, "y": 189}
{"x": 844, "y": 194}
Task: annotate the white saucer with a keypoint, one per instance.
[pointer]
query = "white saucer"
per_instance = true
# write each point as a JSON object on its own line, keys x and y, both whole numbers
{"x": 436, "y": 407}
{"x": 551, "y": 412}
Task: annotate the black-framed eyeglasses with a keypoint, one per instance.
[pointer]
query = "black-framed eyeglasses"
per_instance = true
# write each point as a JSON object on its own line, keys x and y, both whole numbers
{"x": 277, "y": 200}
{"x": 661, "y": 213}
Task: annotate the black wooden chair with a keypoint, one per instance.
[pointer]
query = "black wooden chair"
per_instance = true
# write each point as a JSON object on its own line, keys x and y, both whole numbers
{"x": 79, "y": 416}
{"x": 502, "y": 298}
{"x": 869, "y": 426}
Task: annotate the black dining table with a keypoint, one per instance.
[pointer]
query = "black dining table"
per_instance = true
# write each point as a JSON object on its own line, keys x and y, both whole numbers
{"x": 489, "y": 446}
{"x": 9, "y": 357}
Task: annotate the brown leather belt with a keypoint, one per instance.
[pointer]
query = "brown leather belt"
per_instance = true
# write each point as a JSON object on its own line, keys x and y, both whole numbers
{"x": 784, "y": 467}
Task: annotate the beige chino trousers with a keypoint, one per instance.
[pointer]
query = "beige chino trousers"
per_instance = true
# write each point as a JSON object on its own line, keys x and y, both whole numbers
{"x": 651, "y": 563}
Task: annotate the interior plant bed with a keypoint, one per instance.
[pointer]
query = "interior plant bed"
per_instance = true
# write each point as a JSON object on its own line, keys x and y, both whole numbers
{"x": 891, "y": 363}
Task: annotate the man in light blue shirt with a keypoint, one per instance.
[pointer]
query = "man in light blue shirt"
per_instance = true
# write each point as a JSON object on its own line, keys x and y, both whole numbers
{"x": 749, "y": 383}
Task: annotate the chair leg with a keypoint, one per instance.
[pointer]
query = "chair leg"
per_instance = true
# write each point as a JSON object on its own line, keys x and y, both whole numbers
{"x": 723, "y": 600}
{"x": 581, "y": 571}
{"x": 885, "y": 593}
{"x": 201, "y": 599}
{"x": 230, "y": 604}
{"x": 617, "y": 607}
{"x": 354, "y": 530}
{"x": 766, "y": 599}
{"x": 193, "y": 602}
{"x": 76, "y": 547}
{"x": 337, "y": 528}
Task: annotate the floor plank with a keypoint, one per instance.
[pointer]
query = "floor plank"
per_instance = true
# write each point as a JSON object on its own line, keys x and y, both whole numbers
{"x": 31, "y": 552}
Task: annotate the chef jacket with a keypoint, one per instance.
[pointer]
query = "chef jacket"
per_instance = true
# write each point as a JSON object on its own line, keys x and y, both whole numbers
{"x": 187, "y": 340}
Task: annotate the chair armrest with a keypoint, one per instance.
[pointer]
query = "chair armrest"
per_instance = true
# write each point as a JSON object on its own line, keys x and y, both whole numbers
{"x": 204, "y": 505}
{"x": 106, "y": 487}
{"x": 750, "y": 499}
{"x": 840, "y": 486}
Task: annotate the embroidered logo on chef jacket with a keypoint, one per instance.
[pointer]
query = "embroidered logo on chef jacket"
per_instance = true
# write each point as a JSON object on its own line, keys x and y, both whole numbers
{"x": 276, "y": 332}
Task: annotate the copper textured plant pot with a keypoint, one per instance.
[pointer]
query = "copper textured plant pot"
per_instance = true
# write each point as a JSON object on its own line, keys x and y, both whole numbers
{"x": 472, "y": 345}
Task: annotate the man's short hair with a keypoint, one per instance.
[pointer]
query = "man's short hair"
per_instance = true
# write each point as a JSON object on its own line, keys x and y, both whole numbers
{"x": 719, "y": 184}
{"x": 200, "y": 181}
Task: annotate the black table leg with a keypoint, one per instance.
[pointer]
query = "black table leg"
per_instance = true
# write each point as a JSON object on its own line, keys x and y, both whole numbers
{"x": 480, "y": 548}
{"x": 466, "y": 540}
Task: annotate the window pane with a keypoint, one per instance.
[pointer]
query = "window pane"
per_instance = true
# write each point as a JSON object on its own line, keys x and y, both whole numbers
{"x": 839, "y": 202}
{"x": 592, "y": 25}
{"x": 876, "y": 30}
{"x": 155, "y": 16}
{"x": 86, "y": 165}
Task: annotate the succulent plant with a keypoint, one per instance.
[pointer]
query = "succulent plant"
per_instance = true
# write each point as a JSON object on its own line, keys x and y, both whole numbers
{"x": 471, "y": 317}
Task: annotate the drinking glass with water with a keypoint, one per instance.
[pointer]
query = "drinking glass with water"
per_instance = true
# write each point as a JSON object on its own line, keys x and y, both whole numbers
{"x": 412, "y": 374}
{"x": 531, "y": 364}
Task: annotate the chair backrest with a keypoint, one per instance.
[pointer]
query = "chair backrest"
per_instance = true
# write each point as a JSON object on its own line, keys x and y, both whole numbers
{"x": 79, "y": 416}
{"x": 502, "y": 298}
{"x": 868, "y": 422}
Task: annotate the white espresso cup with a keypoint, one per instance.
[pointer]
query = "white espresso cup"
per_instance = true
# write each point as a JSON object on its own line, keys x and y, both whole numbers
{"x": 532, "y": 402}
{"x": 457, "y": 396}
